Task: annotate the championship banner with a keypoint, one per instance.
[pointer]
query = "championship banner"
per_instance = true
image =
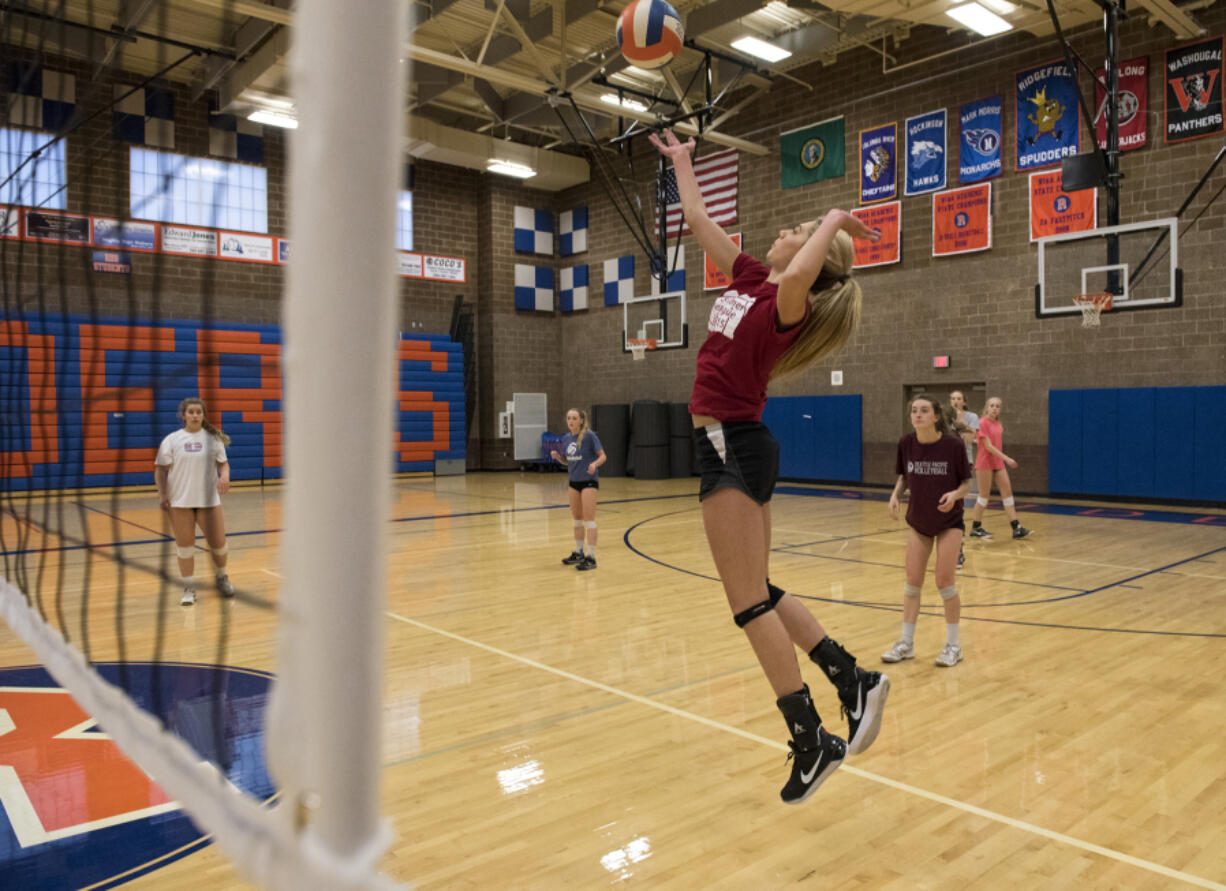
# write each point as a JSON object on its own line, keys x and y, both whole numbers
{"x": 886, "y": 219}
{"x": 925, "y": 136}
{"x": 712, "y": 278}
{"x": 1193, "y": 103}
{"x": 962, "y": 220}
{"x": 979, "y": 154}
{"x": 1047, "y": 127}
{"x": 879, "y": 164}
{"x": 1053, "y": 211}
{"x": 812, "y": 154}
{"x": 1132, "y": 106}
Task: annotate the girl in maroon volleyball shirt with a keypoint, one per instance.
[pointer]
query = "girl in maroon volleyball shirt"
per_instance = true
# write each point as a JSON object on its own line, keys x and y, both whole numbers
{"x": 773, "y": 319}
{"x": 990, "y": 467}
{"x": 932, "y": 464}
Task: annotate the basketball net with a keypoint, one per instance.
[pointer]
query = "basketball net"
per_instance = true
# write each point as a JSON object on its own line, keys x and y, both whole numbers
{"x": 639, "y": 347}
{"x": 1092, "y": 306}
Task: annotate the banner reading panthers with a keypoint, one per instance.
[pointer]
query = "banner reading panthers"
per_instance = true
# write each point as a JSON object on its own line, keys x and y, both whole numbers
{"x": 1047, "y": 115}
{"x": 925, "y": 153}
{"x": 811, "y": 154}
{"x": 1193, "y": 76}
{"x": 979, "y": 154}
{"x": 879, "y": 163}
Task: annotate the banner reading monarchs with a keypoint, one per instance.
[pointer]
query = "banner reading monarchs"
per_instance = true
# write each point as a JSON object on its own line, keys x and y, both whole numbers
{"x": 1193, "y": 76}
{"x": 1047, "y": 115}
{"x": 812, "y": 154}
{"x": 979, "y": 152}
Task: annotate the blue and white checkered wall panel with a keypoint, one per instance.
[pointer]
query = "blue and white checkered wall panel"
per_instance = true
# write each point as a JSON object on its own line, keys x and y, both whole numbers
{"x": 533, "y": 231}
{"x": 533, "y": 287}
{"x": 572, "y": 286}
{"x": 572, "y": 232}
{"x": 40, "y": 98}
{"x": 675, "y": 258}
{"x": 146, "y": 117}
{"x": 618, "y": 280}
{"x": 236, "y": 138}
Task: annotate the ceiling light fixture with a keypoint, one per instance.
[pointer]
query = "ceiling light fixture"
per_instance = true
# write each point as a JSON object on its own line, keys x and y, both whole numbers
{"x": 624, "y": 102}
{"x": 979, "y": 19}
{"x": 274, "y": 118}
{"x": 1000, "y": 7}
{"x": 510, "y": 168}
{"x": 761, "y": 49}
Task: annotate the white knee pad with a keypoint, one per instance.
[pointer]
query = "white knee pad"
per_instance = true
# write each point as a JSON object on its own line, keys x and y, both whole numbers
{"x": 911, "y": 590}
{"x": 981, "y": 501}
{"x": 948, "y": 592}
{"x": 1008, "y": 502}
{"x": 221, "y": 551}
{"x": 589, "y": 524}
{"x": 185, "y": 553}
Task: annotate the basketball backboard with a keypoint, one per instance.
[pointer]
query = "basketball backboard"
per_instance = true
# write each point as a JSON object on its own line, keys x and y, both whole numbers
{"x": 658, "y": 317}
{"x": 1137, "y": 263}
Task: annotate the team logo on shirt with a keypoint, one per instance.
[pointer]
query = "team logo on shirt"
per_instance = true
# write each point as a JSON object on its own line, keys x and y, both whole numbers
{"x": 727, "y": 313}
{"x": 928, "y": 468}
{"x": 193, "y": 446}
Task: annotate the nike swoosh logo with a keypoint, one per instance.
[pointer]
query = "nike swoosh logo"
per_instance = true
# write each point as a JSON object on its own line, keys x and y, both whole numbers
{"x": 859, "y": 709}
{"x": 808, "y": 777}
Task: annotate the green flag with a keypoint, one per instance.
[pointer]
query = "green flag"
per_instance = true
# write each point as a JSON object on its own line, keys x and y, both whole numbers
{"x": 811, "y": 154}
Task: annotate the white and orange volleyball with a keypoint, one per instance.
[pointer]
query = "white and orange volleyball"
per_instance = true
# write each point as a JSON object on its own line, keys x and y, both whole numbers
{"x": 649, "y": 33}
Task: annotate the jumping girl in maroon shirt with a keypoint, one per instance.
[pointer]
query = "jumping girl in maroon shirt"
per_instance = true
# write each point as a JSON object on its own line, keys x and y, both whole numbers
{"x": 773, "y": 319}
{"x": 931, "y": 463}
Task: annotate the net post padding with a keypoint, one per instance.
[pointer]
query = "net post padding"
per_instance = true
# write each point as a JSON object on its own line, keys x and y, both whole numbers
{"x": 260, "y": 845}
{"x": 339, "y": 323}
{"x": 1092, "y": 307}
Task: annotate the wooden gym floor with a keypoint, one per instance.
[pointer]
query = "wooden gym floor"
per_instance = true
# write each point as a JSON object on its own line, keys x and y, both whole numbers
{"x": 548, "y": 728}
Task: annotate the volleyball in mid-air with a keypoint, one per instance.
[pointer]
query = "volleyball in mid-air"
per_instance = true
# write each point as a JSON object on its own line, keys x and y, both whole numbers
{"x": 649, "y": 33}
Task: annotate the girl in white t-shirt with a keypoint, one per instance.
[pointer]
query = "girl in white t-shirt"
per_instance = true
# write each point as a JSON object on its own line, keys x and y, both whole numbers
{"x": 192, "y": 474}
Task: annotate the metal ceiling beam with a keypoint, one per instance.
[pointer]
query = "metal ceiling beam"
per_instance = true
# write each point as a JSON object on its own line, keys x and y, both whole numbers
{"x": 249, "y": 35}
{"x": 247, "y": 73}
{"x": 1181, "y": 24}
{"x": 255, "y": 10}
{"x": 131, "y": 15}
{"x": 717, "y": 14}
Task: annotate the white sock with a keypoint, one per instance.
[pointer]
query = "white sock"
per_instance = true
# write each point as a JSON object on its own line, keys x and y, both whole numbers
{"x": 951, "y": 634}
{"x": 591, "y": 551}
{"x": 578, "y": 545}
{"x": 908, "y": 632}
{"x": 189, "y": 581}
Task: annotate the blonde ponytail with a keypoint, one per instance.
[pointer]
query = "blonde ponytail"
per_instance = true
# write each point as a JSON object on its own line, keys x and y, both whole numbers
{"x": 834, "y": 311}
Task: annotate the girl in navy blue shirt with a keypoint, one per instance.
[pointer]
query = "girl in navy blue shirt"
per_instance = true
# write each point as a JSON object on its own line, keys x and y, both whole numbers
{"x": 582, "y": 454}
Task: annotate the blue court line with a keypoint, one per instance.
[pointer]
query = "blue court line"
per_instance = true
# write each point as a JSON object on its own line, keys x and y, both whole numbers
{"x": 1066, "y": 510}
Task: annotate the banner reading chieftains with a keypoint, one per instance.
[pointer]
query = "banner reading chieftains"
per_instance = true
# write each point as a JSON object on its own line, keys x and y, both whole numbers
{"x": 1047, "y": 115}
{"x": 879, "y": 164}
{"x": 1193, "y": 77}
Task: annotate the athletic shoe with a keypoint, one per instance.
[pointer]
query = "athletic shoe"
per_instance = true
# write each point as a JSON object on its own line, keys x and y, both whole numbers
{"x": 810, "y": 769}
{"x": 863, "y": 707}
{"x": 189, "y": 597}
{"x": 224, "y": 586}
{"x": 961, "y": 561}
{"x": 575, "y": 557}
{"x": 1021, "y": 531}
{"x": 950, "y": 656}
{"x": 904, "y": 649}
{"x": 980, "y": 532}
{"x": 585, "y": 564}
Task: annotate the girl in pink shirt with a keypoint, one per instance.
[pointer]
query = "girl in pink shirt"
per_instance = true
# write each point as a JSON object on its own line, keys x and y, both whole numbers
{"x": 990, "y": 467}
{"x": 776, "y": 317}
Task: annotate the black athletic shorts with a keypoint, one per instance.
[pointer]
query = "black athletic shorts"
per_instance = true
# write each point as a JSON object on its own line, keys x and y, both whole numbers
{"x": 580, "y": 485}
{"x": 741, "y": 454}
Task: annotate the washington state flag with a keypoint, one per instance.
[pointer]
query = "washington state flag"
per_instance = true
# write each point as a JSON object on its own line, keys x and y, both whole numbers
{"x": 811, "y": 154}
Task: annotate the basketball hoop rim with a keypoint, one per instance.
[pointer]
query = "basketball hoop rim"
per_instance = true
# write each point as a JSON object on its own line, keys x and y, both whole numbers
{"x": 1092, "y": 306}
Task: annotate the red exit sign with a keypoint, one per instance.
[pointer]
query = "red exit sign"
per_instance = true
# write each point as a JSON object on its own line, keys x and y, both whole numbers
{"x": 940, "y": 361}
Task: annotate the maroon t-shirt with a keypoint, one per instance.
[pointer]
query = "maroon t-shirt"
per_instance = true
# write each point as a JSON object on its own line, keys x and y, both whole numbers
{"x": 932, "y": 469}
{"x": 742, "y": 346}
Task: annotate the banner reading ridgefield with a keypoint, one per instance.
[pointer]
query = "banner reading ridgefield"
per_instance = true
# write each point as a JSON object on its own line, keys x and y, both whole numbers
{"x": 1132, "y": 106}
{"x": 812, "y": 154}
{"x": 879, "y": 163}
{"x": 1047, "y": 128}
{"x": 925, "y": 136}
{"x": 1194, "y": 90}
{"x": 979, "y": 154}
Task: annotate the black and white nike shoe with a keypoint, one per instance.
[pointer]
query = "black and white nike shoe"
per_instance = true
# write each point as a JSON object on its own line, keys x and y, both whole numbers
{"x": 863, "y": 705}
{"x": 810, "y": 768}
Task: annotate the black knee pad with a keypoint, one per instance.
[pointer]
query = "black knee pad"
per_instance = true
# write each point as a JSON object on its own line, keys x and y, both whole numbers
{"x": 776, "y": 593}
{"x": 744, "y": 617}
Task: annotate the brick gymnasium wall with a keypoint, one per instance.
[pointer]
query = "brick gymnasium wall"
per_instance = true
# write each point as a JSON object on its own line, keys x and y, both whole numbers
{"x": 977, "y": 308}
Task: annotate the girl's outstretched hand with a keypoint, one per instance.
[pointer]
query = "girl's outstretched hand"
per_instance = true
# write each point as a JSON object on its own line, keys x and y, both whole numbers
{"x": 672, "y": 147}
{"x": 854, "y": 226}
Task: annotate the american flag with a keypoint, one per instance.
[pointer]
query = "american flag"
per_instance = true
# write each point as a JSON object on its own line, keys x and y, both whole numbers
{"x": 717, "y": 178}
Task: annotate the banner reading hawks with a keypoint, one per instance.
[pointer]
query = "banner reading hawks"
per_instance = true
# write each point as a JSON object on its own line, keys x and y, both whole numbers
{"x": 1193, "y": 78}
{"x": 1131, "y": 107}
{"x": 879, "y": 164}
{"x": 925, "y": 168}
{"x": 811, "y": 154}
{"x": 1047, "y": 112}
